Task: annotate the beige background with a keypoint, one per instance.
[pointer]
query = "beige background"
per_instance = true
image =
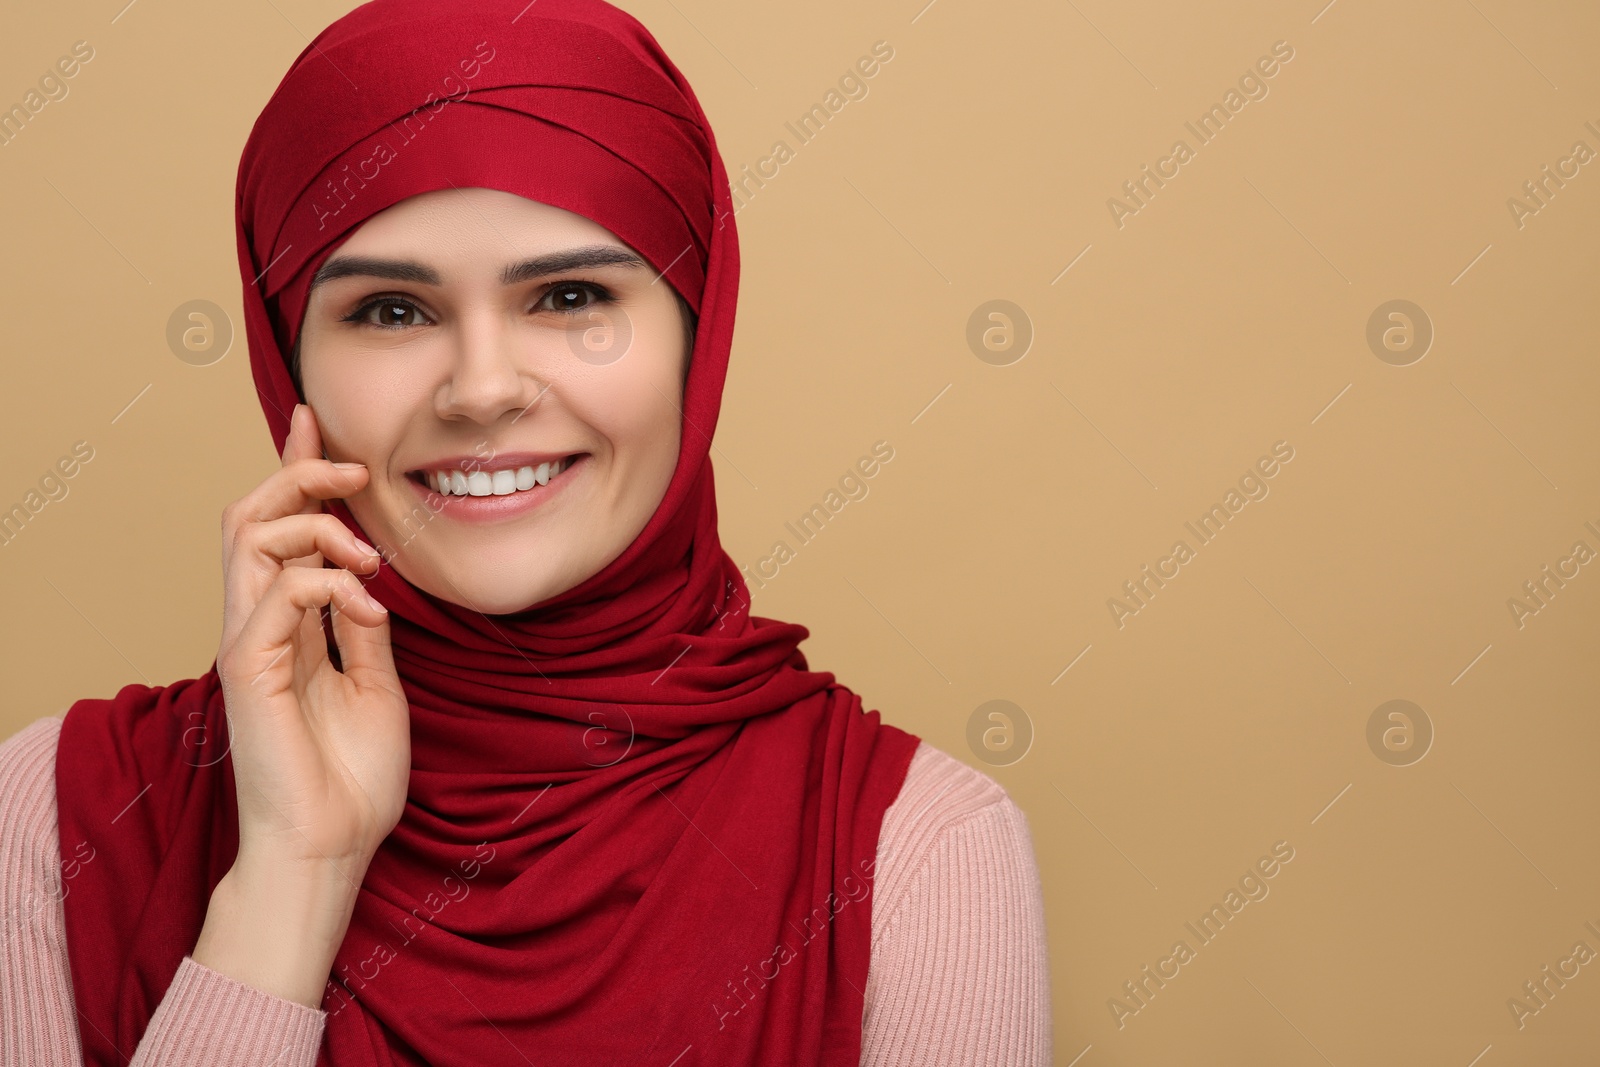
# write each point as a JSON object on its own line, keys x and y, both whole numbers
{"x": 1228, "y": 313}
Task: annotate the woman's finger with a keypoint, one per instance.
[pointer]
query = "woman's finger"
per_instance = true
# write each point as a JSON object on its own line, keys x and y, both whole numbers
{"x": 297, "y": 489}
{"x": 264, "y": 654}
{"x": 365, "y": 655}
{"x": 304, "y": 442}
{"x": 261, "y": 551}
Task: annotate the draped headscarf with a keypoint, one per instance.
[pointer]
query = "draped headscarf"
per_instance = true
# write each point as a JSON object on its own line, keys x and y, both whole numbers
{"x": 638, "y": 828}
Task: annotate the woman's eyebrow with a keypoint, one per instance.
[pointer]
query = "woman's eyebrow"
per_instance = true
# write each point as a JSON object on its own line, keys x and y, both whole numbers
{"x": 406, "y": 270}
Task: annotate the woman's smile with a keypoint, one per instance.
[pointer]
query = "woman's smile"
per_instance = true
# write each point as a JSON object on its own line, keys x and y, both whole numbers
{"x": 498, "y": 493}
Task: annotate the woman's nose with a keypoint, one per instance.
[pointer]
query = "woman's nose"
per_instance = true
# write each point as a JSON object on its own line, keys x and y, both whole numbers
{"x": 491, "y": 374}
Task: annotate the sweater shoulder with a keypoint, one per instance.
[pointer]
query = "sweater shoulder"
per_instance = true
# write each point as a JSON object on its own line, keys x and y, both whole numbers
{"x": 942, "y": 797}
{"x": 939, "y": 791}
{"x": 28, "y": 787}
{"x": 38, "y": 1025}
{"x": 30, "y": 851}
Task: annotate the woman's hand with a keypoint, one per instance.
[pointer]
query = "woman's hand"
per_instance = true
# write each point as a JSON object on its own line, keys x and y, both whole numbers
{"x": 321, "y": 757}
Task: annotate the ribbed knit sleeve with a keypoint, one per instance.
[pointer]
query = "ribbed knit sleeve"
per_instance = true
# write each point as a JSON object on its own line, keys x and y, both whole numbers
{"x": 205, "y": 1018}
{"x": 960, "y": 972}
{"x": 37, "y": 1022}
{"x": 208, "y": 1017}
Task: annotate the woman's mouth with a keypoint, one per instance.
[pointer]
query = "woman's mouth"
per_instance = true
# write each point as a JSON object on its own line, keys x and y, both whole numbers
{"x": 493, "y": 483}
{"x": 491, "y": 495}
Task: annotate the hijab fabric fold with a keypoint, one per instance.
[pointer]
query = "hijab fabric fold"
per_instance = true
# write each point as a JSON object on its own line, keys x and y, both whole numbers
{"x": 638, "y": 828}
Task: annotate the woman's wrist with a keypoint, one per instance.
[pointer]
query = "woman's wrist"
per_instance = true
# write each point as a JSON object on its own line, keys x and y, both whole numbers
{"x": 277, "y": 926}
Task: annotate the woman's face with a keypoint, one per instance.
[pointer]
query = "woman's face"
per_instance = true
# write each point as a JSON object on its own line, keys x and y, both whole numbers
{"x": 431, "y": 343}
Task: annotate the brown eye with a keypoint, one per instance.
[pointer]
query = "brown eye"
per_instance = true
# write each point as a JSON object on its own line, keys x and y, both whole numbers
{"x": 391, "y": 313}
{"x": 394, "y": 312}
{"x": 572, "y": 297}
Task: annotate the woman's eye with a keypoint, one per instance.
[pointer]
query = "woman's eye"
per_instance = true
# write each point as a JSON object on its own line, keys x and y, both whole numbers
{"x": 391, "y": 312}
{"x": 571, "y": 297}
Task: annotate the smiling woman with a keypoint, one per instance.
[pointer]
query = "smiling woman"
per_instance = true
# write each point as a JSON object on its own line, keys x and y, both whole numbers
{"x": 703, "y": 852}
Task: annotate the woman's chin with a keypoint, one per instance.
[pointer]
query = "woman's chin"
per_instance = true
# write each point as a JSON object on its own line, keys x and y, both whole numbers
{"x": 488, "y": 569}
{"x": 507, "y": 589}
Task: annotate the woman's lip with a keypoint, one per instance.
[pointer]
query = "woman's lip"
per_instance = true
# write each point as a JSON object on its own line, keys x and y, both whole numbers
{"x": 503, "y": 461}
{"x": 498, "y": 508}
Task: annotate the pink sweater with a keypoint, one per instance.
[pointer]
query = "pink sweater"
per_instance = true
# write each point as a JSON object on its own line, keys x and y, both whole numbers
{"x": 958, "y": 977}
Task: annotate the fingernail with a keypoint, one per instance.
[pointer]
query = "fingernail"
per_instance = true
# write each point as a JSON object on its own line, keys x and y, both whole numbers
{"x": 363, "y": 548}
{"x": 376, "y": 606}
{"x": 349, "y": 466}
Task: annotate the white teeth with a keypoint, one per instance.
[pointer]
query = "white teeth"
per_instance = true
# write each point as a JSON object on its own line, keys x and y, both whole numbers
{"x": 497, "y": 483}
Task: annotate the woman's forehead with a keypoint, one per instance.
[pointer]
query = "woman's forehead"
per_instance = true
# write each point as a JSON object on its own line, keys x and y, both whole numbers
{"x": 477, "y": 208}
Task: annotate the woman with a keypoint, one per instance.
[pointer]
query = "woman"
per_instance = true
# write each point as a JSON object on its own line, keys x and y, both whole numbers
{"x": 536, "y": 787}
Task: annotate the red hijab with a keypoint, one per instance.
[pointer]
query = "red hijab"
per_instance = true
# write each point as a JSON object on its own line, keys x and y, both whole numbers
{"x": 637, "y": 826}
